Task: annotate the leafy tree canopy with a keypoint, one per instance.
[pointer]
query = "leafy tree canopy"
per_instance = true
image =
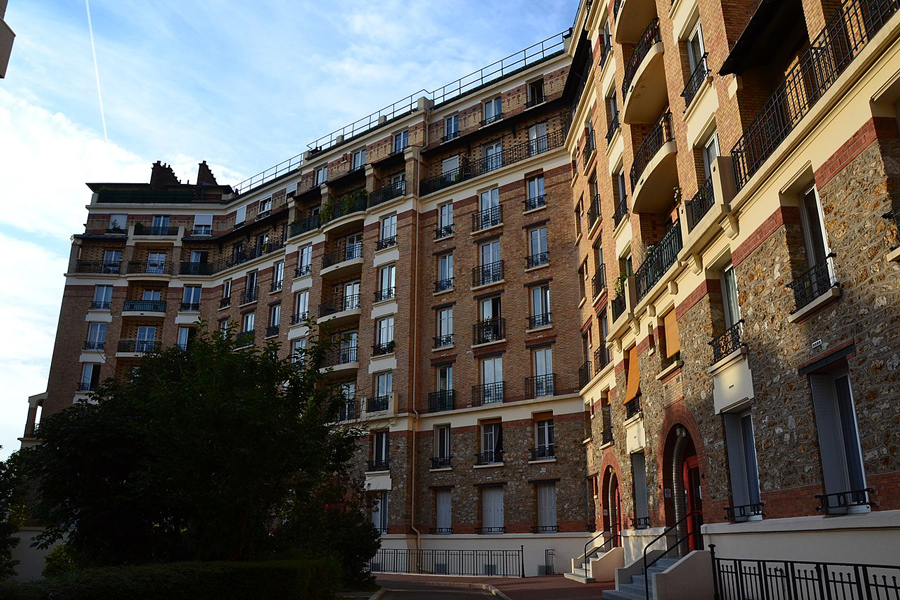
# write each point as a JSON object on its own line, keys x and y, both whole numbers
{"x": 8, "y": 527}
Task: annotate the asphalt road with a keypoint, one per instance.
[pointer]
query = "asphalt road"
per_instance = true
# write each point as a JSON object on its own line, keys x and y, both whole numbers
{"x": 409, "y": 590}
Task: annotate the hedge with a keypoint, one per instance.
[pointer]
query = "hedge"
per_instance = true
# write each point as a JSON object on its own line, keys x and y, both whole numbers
{"x": 315, "y": 579}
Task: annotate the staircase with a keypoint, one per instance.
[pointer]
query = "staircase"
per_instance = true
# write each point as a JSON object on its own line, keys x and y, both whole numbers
{"x": 636, "y": 588}
{"x": 602, "y": 559}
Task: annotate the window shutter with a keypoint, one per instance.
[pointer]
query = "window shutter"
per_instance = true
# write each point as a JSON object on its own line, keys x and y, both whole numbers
{"x": 241, "y": 215}
{"x": 639, "y": 475}
{"x": 546, "y": 498}
{"x": 831, "y": 444}
{"x": 670, "y": 322}
{"x": 736, "y": 464}
{"x": 443, "y": 510}
{"x": 632, "y": 389}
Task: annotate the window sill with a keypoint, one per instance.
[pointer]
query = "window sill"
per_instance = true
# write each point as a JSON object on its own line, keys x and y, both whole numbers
{"x": 634, "y": 418}
{"x": 380, "y": 356}
{"x": 675, "y": 366}
{"x": 386, "y": 248}
{"x": 444, "y": 238}
{"x": 542, "y": 461}
{"x": 442, "y": 348}
{"x": 483, "y": 344}
{"x": 541, "y": 328}
{"x": 587, "y": 441}
{"x": 385, "y": 301}
{"x": 832, "y": 293}
{"x": 447, "y": 291}
{"x": 441, "y": 470}
{"x": 534, "y": 210}
{"x": 583, "y": 300}
{"x": 727, "y": 360}
{"x": 489, "y": 466}
{"x": 487, "y": 285}
{"x": 541, "y": 266}
{"x": 607, "y": 445}
{"x": 491, "y": 228}
{"x": 378, "y": 472}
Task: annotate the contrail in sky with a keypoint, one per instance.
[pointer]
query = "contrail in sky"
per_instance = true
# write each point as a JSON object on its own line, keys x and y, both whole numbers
{"x": 96, "y": 69}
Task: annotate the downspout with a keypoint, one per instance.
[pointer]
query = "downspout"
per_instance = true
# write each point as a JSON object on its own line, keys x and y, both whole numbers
{"x": 678, "y": 481}
{"x": 414, "y": 319}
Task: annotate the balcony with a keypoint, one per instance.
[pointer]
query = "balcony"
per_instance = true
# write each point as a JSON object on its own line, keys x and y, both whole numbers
{"x": 240, "y": 257}
{"x": 349, "y": 411}
{"x": 86, "y": 386}
{"x": 387, "y": 193}
{"x": 613, "y": 128}
{"x": 621, "y": 211}
{"x": 443, "y": 285}
{"x": 644, "y": 93}
{"x": 842, "y": 39}
{"x": 698, "y": 77}
{"x": 137, "y": 346}
{"x": 245, "y": 339}
{"x": 601, "y": 359}
{"x": 546, "y": 452}
{"x": 94, "y": 345}
{"x": 441, "y": 462}
{"x": 250, "y": 295}
{"x": 587, "y": 153}
{"x": 441, "y": 400}
{"x": 817, "y": 282}
{"x": 598, "y": 281}
{"x": 142, "y": 229}
{"x": 195, "y": 268}
{"x": 276, "y": 286}
{"x": 225, "y": 302}
{"x": 510, "y": 155}
{"x": 145, "y": 306}
{"x": 491, "y": 119}
{"x": 308, "y": 224}
{"x": 378, "y": 464}
{"x": 346, "y": 355}
{"x": 488, "y": 393}
{"x": 593, "y": 212}
{"x": 383, "y": 348}
{"x": 298, "y": 318}
{"x": 728, "y": 343}
{"x": 443, "y": 231}
{"x": 630, "y": 17}
{"x": 540, "y": 385}
{"x": 443, "y": 341}
{"x": 386, "y": 242}
{"x": 654, "y": 174}
{"x": 539, "y": 320}
{"x": 537, "y": 260}
{"x": 338, "y": 305}
{"x": 348, "y": 204}
{"x": 272, "y": 331}
{"x": 384, "y": 294}
{"x": 744, "y": 512}
{"x": 633, "y": 408}
{"x": 485, "y": 219}
{"x": 618, "y": 306}
{"x": 584, "y": 374}
{"x": 490, "y": 457}
{"x": 378, "y": 403}
{"x": 699, "y": 205}
{"x": 660, "y": 259}
{"x": 487, "y": 274}
{"x": 535, "y": 203}
{"x": 149, "y": 267}
{"x": 488, "y": 331}
{"x": 344, "y": 254}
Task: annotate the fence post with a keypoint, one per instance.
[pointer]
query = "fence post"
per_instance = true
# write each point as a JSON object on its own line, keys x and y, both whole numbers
{"x": 522, "y": 558}
{"x": 712, "y": 560}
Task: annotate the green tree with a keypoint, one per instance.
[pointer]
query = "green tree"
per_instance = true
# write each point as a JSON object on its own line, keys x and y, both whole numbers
{"x": 8, "y": 527}
{"x": 193, "y": 456}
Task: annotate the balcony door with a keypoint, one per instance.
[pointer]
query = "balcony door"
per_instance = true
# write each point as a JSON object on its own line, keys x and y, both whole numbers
{"x": 146, "y": 337}
{"x": 492, "y": 379}
{"x": 537, "y": 138}
{"x": 490, "y": 253}
{"x": 492, "y": 509}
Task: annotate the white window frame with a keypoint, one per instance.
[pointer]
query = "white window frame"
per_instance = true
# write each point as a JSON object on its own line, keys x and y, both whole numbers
{"x": 400, "y": 141}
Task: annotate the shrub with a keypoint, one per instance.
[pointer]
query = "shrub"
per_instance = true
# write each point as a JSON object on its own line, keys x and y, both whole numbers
{"x": 58, "y": 562}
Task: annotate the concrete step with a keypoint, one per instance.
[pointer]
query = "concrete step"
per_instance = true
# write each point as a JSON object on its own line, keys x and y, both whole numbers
{"x": 579, "y": 576}
{"x": 621, "y": 595}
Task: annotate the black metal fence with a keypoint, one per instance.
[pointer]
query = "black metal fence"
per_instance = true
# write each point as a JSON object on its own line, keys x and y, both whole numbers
{"x": 728, "y": 342}
{"x": 813, "y": 283}
{"x": 649, "y": 38}
{"x": 495, "y": 563}
{"x": 740, "y": 579}
{"x": 696, "y": 80}
{"x": 658, "y": 260}
{"x": 699, "y": 205}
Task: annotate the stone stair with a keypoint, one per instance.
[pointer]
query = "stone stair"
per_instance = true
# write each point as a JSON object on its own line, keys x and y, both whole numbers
{"x": 635, "y": 590}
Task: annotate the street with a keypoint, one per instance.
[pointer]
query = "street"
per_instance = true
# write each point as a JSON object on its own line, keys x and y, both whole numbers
{"x": 406, "y": 590}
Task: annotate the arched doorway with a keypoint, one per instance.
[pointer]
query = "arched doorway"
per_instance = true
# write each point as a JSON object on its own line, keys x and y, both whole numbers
{"x": 683, "y": 488}
{"x": 612, "y": 505}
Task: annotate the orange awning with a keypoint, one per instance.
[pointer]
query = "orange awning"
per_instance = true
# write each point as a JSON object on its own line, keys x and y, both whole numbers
{"x": 670, "y": 322}
{"x": 632, "y": 389}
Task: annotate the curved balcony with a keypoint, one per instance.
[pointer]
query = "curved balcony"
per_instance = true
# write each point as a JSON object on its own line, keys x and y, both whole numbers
{"x": 630, "y": 16}
{"x": 644, "y": 93}
{"x": 310, "y": 223}
{"x": 654, "y": 173}
{"x": 343, "y": 260}
{"x": 150, "y": 267}
{"x": 340, "y": 310}
{"x": 349, "y": 207}
{"x": 339, "y": 360}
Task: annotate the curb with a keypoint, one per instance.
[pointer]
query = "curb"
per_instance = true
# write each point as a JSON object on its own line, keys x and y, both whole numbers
{"x": 378, "y": 595}
{"x": 452, "y": 584}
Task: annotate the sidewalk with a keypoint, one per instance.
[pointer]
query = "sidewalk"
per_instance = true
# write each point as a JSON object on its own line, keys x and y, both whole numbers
{"x": 553, "y": 587}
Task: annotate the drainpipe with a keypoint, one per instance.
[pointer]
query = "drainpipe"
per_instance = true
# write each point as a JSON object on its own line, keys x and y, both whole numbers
{"x": 414, "y": 316}
{"x": 678, "y": 481}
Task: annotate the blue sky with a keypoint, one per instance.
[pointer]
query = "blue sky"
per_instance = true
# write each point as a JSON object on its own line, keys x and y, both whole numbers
{"x": 241, "y": 85}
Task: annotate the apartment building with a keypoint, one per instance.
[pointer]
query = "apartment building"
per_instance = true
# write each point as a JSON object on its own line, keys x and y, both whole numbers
{"x": 707, "y": 191}
{"x": 6, "y": 40}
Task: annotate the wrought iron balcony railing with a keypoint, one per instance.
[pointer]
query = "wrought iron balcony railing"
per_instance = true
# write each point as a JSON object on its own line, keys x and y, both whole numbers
{"x": 378, "y": 464}
{"x": 250, "y": 295}
{"x": 613, "y": 128}
{"x": 304, "y": 225}
{"x": 584, "y": 373}
{"x": 546, "y": 452}
{"x": 489, "y": 530}
{"x": 659, "y": 259}
{"x": 272, "y": 330}
{"x": 489, "y": 217}
{"x": 606, "y": 51}
{"x": 100, "y": 305}
{"x": 378, "y": 403}
{"x": 86, "y": 386}
{"x": 696, "y": 80}
{"x": 339, "y": 304}
{"x": 225, "y": 302}
{"x": 441, "y": 462}
{"x": 633, "y": 407}
{"x": 244, "y": 339}
{"x": 144, "y": 306}
{"x": 621, "y": 211}
{"x": 699, "y": 205}
{"x": 813, "y": 283}
{"x": 539, "y": 320}
{"x": 661, "y": 133}
{"x": 347, "y": 252}
{"x": 606, "y": 435}
{"x": 814, "y": 72}
{"x": 588, "y": 151}
{"x": 441, "y": 400}
{"x": 650, "y": 37}
{"x": 386, "y": 242}
{"x": 737, "y": 514}
{"x": 442, "y": 341}
{"x": 341, "y": 356}
{"x": 640, "y": 522}
{"x": 618, "y": 306}
{"x": 196, "y": 268}
{"x": 349, "y": 411}
{"x": 276, "y": 286}
{"x": 598, "y": 281}
{"x": 142, "y": 229}
{"x": 487, "y": 274}
{"x": 594, "y": 211}
{"x": 138, "y": 346}
{"x": 347, "y": 204}
{"x": 94, "y": 345}
{"x": 489, "y": 330}
{"x": 601, "y": 358}
{"x": 535, "y": 202}
{"x": 537, "y": 260}
{"x": 201, "y": 230}
{"x": 442, "y": 285}
{"x": 489, "y": 457}
{"x": 488, "y": 393}
{"x": 728, "y": 342}
{"x": 384, "y": 294}
{"x": 302, "y": 270}
{"x": 840, "y": 502}
{"x": 383, "y": 348}
{"x": 298, "y": 318}
{"x": 443, "y": 231}
{"x": 387, "y": 192}
{"x": 150, "y": 267}
{"x": 540, "y": 385}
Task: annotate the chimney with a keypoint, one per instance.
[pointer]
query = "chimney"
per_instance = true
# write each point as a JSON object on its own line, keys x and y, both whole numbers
{"x": 162, "y": 176}
{"x": 205, "y": 176}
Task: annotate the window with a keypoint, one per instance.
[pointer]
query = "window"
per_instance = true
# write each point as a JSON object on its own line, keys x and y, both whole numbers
{"x": 388, "y": 236}
{"x": 639, "y": 477}
{"x": 490, "y": 255}
{"x": 839, "y": 447}
{"x": 298, "y": 351}
{"x": 537, "y": 139}
{"x": 146, "y": 338}
{"x": 223, "y": 326}
{"x": 380, "y": 511}
{"x": 492, "y": 509}
{"x": 237, "y": 253}
{"x": 184, "y": 337}
{"x": 358, "y": 160}
{"x": 450, "y": 170}
{"x": 445, "y": 273}
{"x": 386, "y": 281}
{"x": 102, "y": 297}
{"x": 90, "y": 377}
{"x": 579, "y": 211}
{"x": 156, "y": 263}
{"x": 160, "y": 225}
{"x": 190, "y": 299}
{"x": 96, "y": 337}
{"x": 445, "y": 378}
{"x": 380, "y": 451}
{"x": 262, "y": 244}
{"x": 348, "y": 293}
{"x": 117, "y": 223}
{"x": 321, "y": 175}
{"x": 451, "y": 127}
{"x": 492, "y": 111}
{"x": 710, "y": 152}
{"x": 544, "y": 442}
{"x": 384, "y": 336}
{"x": 546, "y": 507}
{"x": 384, "y": 387}
{"x": 742, "y": 465}
{"x": 398, "y": 181}
{"x": 612, "y": 112}
{"x": 251, "y": 289}
{"x": 602, "y": 354}
{"x": 442, "y": 443}
{"x": 820, "y": 277}
{"x": 151, "y": 295}
{"x": 444, "y": 328}
{"x": 582, "y": 280}
{"x": 492, "y": 380}
{"x": 696, "y": 48}
{"x": 198, "y": 263}
{"x": 304, "y": 261}
{"x": 443, "y": 521}
{"x": 544, "y": 378}
{"x": 278, "y": 276}
{"x": 730, "y": 303}
{"x": 112, "y": 260}
{"x": 226, "y": 293}
{"x": 535, "y": 92}
{"x": 274, "y": 320}
{"x": 401, "y": 141}
{"x": 535, "y": 193}
{"x": 490, "y": 328}
{"x": 493, "y": 155}
{"x": 621, "y": 208}
{"x": 353, "y": 246}
{"x": 540, "y": 306}
{"x": 265, "y": 207}
{"x": 537, "y": 248}
{"x": 491, "y": 442}
{"x": 489, "y": 207}
{"x": 301, "y": 307}
{"x": 670, "y": 336}
{"x": 248, "y": 321}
